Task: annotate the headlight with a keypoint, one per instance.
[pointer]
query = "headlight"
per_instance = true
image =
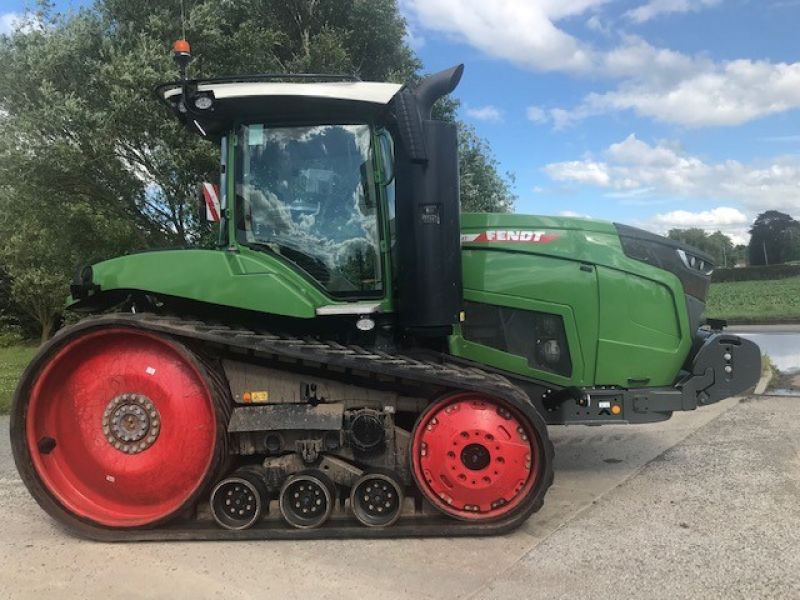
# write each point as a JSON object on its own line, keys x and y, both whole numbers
{"x": 550, "y": 351}
{"x": 693, "y": 262}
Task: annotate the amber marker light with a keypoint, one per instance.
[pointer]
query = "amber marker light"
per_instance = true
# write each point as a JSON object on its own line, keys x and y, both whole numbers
{"x": 616, "y": 409}
{"x": 181, "y": 52}
{"x": 181, "y": 47}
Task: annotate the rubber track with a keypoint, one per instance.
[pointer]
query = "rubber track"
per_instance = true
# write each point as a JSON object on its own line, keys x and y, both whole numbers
{"x": 221, "y": 339}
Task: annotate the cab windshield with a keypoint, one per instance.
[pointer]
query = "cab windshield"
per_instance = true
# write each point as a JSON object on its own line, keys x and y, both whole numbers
{"x": 305, "y": 193}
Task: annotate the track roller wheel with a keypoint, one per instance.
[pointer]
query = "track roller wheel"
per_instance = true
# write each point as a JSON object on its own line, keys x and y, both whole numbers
{"x": 377, "y": 499}
{"x": 117, "y": 428}
{"x": 477, "y": 458}
{"x": 237, "y": 502}
{"x": 306, "y": 499}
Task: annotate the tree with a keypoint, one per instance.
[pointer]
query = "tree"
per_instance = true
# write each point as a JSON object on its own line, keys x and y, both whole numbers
{"x": 12, "y": 317}
{"x": 86, "y": 154}
{"x": 694, "y": 237}
{"x": 720, "y": 246}
{"x": 739, "y": 256}
{"x": 717, "y": 244}
{"x": 483, "y": 188}
{"x": 42, "y": 239}
{"x": 774, "y": 239}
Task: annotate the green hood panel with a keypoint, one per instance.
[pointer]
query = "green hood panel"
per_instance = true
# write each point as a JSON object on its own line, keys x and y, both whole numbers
{"x": 626, "y": 321}
{"x": 245, "y": 280}
{"x": 578, "y": 240}
{"x": 562, "y": 237}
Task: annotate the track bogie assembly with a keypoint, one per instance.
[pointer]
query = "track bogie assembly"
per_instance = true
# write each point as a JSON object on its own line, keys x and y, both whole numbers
{"x": 398, "y": 447}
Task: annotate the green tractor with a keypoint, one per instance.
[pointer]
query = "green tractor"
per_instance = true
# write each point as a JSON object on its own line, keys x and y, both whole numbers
{"x": 355, "y": 358}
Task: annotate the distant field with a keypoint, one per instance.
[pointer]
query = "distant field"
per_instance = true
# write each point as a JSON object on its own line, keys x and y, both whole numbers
{"x": 12, "y": 361}
{"x": 755, "y": 301}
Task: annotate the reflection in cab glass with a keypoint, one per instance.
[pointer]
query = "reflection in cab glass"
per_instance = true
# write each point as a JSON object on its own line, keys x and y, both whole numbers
{"x": 305, "y": 194}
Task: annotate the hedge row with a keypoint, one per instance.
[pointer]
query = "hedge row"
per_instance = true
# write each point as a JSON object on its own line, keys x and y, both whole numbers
{"x": 756, "y": 273}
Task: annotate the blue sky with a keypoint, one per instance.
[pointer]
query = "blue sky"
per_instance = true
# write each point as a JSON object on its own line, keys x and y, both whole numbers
{"x": 658, "y": 113}
{"x": 661, "y": 113}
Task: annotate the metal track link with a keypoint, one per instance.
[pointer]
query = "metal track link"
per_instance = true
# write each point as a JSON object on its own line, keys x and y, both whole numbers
{"x": 211, "y": 339}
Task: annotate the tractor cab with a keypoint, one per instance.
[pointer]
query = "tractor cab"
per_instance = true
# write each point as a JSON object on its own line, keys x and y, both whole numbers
{"x": 307, "y": 172}
{"x": 342, "y": 180}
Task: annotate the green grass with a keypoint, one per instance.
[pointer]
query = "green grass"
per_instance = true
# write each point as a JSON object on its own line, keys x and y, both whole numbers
{"x": 12, "y": 361}
{"x": 755, "y": 301}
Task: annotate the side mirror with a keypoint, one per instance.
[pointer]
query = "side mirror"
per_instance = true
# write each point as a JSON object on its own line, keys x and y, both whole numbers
{"x": 209, "y": 202}
{"x": 387, "y": 156}
{"x": 366, "y": 203}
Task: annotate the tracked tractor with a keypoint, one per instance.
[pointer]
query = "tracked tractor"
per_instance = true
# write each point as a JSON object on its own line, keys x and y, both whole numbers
{"x": 355, "y": 357}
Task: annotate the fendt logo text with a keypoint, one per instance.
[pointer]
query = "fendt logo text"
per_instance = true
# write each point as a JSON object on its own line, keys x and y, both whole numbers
{"x": 509, "y": 235}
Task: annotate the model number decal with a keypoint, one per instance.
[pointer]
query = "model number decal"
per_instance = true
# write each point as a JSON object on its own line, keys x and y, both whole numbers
{"x": 509, "y": 235}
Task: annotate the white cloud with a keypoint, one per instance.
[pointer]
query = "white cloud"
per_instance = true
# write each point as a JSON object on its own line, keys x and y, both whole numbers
{"x": 581, "y": 171}
{"x": 725, "y": 94}
{"x": 731, "y": 221}
{"x": 25, "y": 22}
{"x": 598, "y": 25}
{"x": 485, "y": 113}
{"x": 8, "y": 22}
{"x": 636, "y": 59}
{"x": 521, "y": 31}
{"x": 635, "y": 168}
{"x": 415, "y": 40}
{"x": 536, "y": 114}
{"x": 564, "y": 118}
{"x": 658, "y": 83}
{"x": 722, "y": 216}
{"x": 639, "y": 195}
{"x": 656, "y": 8}
{"x": 781, "y": 139}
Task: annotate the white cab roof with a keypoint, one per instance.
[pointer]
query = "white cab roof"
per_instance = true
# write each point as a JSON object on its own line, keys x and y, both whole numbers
{"x": 360, "y": 91}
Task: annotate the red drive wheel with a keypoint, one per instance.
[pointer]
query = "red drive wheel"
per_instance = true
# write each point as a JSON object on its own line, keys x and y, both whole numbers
{"x": 474, "y": 457}
{"x": 121, "y": 428}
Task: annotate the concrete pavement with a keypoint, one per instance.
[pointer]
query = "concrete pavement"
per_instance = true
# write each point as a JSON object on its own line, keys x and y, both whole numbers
{"x": 715, "y": 516}
{"x": 704, "y": 504}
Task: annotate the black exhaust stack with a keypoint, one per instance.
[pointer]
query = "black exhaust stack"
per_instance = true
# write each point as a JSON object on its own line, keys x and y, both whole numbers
{"x": 428, "y": 206}
{"x": 435, "y": 86}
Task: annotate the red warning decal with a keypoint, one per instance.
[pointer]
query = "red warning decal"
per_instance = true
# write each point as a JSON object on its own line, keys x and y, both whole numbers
{"x": 523, "y": 236}
{"x": 211, "y": 197}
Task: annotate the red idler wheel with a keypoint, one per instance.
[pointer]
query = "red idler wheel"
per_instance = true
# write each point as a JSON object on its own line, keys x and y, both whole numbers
{"x": 121, "y": 427}
{"x": 474, "y": 457}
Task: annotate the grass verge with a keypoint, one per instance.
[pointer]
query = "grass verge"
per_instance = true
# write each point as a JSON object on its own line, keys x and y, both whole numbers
{"x": 12, "y": 361}
{"x": 755, "y": 301}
